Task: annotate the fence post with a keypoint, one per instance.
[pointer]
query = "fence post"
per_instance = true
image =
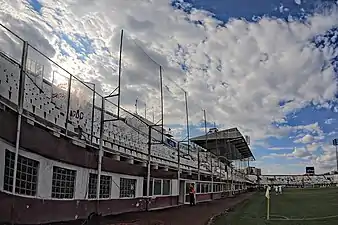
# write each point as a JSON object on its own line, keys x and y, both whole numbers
{"x": 93, "y": 117}
{"x": 120, "y": 72}
{"x": 148, "y": 167}
{"x": 68, "y": 103}
{"x": 99, "y": 166}
{"x": 187, "y": 121}
{"x": 20, "y": 110}
{"x": 162, "y": 104}
{"x": 149, "y": 162}
{"x": 179, "y": 170}
{"x": 212, "y": 174}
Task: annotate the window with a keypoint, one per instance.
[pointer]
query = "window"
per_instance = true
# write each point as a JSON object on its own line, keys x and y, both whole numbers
{"x": 203, "y": 188}
{"x": 166, "y": 187}
{"x": 157, "y": 187}
{"x": 63, "y": 183}
{"x": 105, "y": 186}
{"x": 127, "y": 188}
{"x": 145, "y": 187}
{"x": 26, "y": 176}
{"x": 198, "y": 187}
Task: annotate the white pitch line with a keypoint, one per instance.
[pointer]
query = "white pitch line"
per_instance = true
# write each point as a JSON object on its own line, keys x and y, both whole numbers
{"x": 280, "y": 216}
{"x": 306, "y": 219}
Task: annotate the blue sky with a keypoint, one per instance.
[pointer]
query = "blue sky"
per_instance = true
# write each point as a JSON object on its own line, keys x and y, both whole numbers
{"x": 310, "y": 129}
{"x": 326, "y": 118}
{"x": 82, "y": 45}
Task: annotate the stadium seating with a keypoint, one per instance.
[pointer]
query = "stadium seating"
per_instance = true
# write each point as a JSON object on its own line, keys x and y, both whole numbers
{"x": 299, "y": 180}
{"x": 45, "y": 100}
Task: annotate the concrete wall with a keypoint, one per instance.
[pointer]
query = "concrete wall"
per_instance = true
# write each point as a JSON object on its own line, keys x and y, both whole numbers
{"x": 82, "y": 176}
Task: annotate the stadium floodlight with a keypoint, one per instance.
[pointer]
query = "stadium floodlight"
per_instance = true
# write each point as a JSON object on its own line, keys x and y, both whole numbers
{"x": 335, "y": 143}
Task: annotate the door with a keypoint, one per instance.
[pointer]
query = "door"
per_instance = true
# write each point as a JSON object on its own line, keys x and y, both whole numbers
{"x": 182, "y": 192}
{"x": 187, "y": 187}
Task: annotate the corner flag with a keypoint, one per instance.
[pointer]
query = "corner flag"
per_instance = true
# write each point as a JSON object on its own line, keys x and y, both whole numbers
{"x": 267, "y": 195}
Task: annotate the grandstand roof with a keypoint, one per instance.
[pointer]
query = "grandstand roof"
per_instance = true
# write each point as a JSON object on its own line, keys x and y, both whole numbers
{"x": 217, "y": 142}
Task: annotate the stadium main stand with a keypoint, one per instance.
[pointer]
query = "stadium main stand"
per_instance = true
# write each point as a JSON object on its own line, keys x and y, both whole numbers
{"x": 64, "y": 156}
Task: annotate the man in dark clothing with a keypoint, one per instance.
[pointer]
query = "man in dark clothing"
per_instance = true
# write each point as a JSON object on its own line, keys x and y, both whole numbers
{"x": 192, "y": 194}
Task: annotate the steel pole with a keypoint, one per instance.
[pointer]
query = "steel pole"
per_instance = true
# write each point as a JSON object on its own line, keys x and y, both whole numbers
{"x": 337, "y": 156}
{"x": 20, "y": 110}
{"x": 98, "y": 185}
{"x": 149, "y": 162}
{"x": 119, "y": 81}
{"x": 162, "y": 102}
{"x": 93, "y": 117}
{"x": 187, "y": 120}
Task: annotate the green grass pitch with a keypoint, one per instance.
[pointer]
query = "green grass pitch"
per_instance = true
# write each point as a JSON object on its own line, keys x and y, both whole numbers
{"x": 293, "y": 207}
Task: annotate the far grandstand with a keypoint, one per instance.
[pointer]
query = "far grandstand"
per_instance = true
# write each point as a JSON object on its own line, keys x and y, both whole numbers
{"x": 299, "y": 180}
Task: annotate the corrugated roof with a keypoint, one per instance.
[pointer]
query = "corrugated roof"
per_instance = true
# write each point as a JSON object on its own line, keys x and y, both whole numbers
{"x": 232, "y": 135}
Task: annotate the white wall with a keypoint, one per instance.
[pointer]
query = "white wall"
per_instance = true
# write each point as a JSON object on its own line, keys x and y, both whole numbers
{"x": 174, "y": 188}
{"x": 2, "y": 165}
{"x": 82, "y": 176}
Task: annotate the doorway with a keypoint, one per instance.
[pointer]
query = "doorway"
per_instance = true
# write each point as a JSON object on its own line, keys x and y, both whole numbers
{"x": 182, "y": 192}
{"x": 187, "y": 187}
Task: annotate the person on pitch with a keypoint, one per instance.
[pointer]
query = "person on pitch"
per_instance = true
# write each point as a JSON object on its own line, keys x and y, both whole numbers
{"x": 192, "y": 194}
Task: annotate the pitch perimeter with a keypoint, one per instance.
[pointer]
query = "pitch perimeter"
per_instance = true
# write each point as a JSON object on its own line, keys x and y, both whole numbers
{"x": 293, "y": 207}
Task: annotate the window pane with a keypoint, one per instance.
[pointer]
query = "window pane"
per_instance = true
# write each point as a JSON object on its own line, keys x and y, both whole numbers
{"x": 26, "y": 176}
{"x": 157, "y": 187}
{"x": 63, "y": 182}
{"x": 92, "y": 185}
{"x": 127, "y": 188}
{"x": 166, "y": 187}
{"x": 105, "y": 186}
{"x": 145, "y": 187}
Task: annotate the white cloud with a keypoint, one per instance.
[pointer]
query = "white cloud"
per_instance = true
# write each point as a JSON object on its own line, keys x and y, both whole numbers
{"x": 298, "y": 2}
{"x": 296, "y": 153}
{"x": 312, "y": 147}
{"x": 262, "y": 63}
{"x": 280, "y": 148}
{"x": 280, "y": 168}
{"x": 301, "y": 153}
{"x": 323, "y": 161}
{"x": 308, "y": 138}
{"x": 330, "y": 121}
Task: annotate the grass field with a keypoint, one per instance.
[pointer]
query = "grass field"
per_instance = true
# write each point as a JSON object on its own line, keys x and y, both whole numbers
{"x": 293, "y": 207}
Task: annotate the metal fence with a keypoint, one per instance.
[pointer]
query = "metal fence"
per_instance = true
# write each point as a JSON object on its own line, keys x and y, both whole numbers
{"x": 41, "y": 87}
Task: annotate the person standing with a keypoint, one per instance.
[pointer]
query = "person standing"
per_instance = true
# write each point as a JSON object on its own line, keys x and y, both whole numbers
{"x": 192, "y": 194}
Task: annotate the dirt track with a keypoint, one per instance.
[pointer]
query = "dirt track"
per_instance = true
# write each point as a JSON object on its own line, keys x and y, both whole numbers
{"x": 184, "y": 215}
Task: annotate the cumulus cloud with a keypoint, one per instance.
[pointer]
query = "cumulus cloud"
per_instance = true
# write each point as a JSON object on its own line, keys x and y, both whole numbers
{"x": 280, "y": 148}
{"x": 308, "y": 138}
{"x": 330, "y": 121}
{"x": 240, "y": 71}
{"x": 296, "y": 153}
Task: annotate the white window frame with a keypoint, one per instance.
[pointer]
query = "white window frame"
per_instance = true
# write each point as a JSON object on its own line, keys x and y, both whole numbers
{"x": 170, "y": 183}
{"x": 135, "y": 188}
{"x": 37, "y": 175}
{"x": 75, "y": 182}
{"x": 154, "y": 180}
{"x": 88, "y": 182}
